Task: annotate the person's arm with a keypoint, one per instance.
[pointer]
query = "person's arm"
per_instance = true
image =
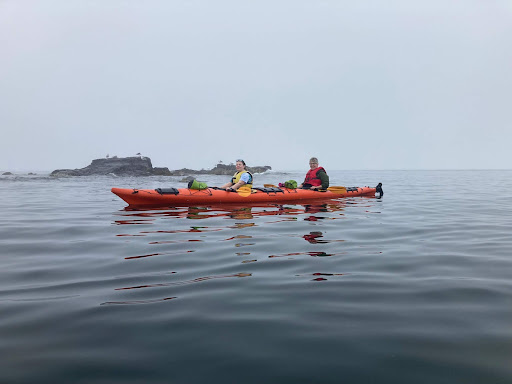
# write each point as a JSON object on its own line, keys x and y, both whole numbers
{"x": 227, "y": 185}
{"x": 324, "y": 179}
{"x": 302, "y": 184}
{"x": 244, "y": 179}
{"x": 238, "y": 185}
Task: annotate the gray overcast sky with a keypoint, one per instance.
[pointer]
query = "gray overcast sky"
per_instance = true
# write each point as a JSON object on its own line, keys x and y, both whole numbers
{"x": 391, "y": 84}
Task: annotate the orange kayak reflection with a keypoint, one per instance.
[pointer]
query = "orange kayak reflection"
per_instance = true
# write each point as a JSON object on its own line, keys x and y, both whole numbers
{"x": 134, "y": 216}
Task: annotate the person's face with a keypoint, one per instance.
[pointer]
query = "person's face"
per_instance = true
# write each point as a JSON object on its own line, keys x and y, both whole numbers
{"x": 313, "y": 165}
{"x": 239, "y": 166}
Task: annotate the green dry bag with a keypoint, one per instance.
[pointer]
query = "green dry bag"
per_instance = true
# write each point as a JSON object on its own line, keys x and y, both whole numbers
{"x": 292, "y": 184}
{"x": 194, "y": 184}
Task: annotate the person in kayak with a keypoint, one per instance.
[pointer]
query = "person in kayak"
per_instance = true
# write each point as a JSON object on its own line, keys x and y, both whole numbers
{"x": 241, "y": 177}
{"x": 316, "y": 178}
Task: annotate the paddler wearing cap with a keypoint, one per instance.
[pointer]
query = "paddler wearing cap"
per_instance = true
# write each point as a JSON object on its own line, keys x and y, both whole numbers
{"x": 241, "y": 177}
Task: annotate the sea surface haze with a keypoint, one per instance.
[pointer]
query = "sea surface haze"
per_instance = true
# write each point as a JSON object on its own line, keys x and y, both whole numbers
{"x": 411, "y": 288}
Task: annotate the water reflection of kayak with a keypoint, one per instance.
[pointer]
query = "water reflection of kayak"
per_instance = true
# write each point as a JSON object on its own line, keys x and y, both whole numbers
{"x": 186, "y": 197}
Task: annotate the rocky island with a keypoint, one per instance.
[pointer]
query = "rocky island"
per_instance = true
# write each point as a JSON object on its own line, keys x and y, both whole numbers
{"x": 119, "y": 166}
{"x": 142, "y": 166}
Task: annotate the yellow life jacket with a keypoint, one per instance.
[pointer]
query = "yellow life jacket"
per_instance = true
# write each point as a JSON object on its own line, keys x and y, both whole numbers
{"x": 236, "y": 178}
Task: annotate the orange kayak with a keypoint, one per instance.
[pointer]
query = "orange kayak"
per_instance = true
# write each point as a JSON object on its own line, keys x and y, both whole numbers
{"x": 184, "y": 197}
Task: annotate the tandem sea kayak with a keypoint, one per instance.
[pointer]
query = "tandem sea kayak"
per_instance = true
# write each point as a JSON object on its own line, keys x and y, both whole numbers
{"x": 184, "y": 197}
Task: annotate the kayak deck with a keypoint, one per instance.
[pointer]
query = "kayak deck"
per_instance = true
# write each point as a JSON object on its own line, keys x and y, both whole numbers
{"x": 186, "y": 197}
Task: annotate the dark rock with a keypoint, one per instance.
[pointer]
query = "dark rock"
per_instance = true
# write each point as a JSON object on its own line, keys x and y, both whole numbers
{"x": 32, "y": 174}
{"x": 7, "y": 174}
{"x": 185, "y": 171}
{"x": 219, "y": 169}
{"x": 123, "y": 166}
{"x": 161, "y": 171}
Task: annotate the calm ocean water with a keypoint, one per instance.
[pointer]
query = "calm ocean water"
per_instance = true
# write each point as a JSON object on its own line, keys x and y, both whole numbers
{"x": 411, "y": 288}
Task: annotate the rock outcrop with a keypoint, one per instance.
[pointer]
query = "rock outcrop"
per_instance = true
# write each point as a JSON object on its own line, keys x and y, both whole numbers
{"x": 122, "y": 166}
{"x": 7, "y": 174}
{"x": 141, "y": 166}
{"x": 219, "y": 169}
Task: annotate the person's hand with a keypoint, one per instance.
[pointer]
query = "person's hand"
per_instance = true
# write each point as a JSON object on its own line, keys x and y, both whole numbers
{"x": 230, "y": 189}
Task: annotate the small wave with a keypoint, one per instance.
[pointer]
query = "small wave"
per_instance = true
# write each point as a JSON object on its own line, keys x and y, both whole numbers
{"x": 198, "y": 280}
{"x": 138, "y": 301}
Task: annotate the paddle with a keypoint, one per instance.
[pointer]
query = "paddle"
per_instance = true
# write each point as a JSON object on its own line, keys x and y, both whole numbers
{"x": 337, "y": 189}
{"x": 243, "y": 191}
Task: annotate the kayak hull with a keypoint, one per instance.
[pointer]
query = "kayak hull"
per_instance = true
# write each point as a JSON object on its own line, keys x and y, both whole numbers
{"x": 185, "y": 197}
